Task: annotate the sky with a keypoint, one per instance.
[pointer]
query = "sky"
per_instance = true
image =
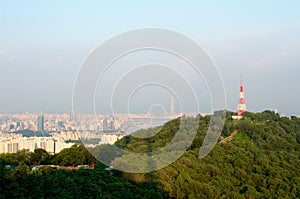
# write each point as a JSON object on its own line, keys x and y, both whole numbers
{"x": 43, "y": 45}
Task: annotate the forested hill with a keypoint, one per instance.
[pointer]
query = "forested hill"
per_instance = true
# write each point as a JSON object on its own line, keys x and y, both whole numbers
{"x": 255, "y": 157}
{"x": 260, "y": 161}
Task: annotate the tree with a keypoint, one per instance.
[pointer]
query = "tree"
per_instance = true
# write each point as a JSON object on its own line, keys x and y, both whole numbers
{"x": 22, "y": 170}
{"x": 39, "y": 156}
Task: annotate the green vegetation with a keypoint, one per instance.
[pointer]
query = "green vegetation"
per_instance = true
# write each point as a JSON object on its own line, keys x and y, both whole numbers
{"x": 260, "y": 161}
{"x": 45, "y": 182}
{"x": 48, "y": 183}
{"x": 241, "y": 136}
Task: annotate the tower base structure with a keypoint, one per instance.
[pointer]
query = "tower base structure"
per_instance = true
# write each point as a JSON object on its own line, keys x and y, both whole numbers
{"x": 237, "y": 117}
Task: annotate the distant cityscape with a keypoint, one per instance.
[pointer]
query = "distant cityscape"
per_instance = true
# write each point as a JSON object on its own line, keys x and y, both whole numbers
{"x": 55, "y": 132}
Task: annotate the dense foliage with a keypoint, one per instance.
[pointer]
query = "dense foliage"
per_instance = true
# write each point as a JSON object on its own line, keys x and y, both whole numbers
{"x": 82, "y": 183}
{"x": 76, "y": 155}
{"x": 70, "y": 182}
{"x": 260, "y": 160}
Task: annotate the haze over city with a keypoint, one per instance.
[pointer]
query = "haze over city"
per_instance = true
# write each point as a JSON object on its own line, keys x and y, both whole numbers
{"x": 42, "y": 46}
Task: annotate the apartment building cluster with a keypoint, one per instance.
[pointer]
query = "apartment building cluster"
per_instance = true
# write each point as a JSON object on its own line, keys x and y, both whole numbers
{"x": 13, "y": 143}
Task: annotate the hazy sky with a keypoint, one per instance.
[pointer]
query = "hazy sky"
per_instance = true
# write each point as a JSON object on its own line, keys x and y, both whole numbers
{"x": 42, "y": 46}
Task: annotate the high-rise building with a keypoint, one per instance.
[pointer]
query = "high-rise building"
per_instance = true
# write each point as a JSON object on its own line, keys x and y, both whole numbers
{"x": 60, "y": 125}
{"x": 40, "y": 123}
{"x": 112, "y": 123}
{"x": 105, "y": 125}
{"x": 72, "y": 115}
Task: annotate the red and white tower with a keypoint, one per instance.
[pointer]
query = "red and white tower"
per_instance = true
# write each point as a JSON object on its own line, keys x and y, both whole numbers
{"x": 241, "y": 109}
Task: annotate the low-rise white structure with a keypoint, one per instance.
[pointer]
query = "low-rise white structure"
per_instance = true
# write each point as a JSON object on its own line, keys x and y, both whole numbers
{"x": 16, "y": 143}
{"x": 109, "y": 139}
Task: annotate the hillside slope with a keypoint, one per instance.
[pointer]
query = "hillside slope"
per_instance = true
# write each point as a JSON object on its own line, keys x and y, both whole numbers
{"x": 260, "y": 161}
